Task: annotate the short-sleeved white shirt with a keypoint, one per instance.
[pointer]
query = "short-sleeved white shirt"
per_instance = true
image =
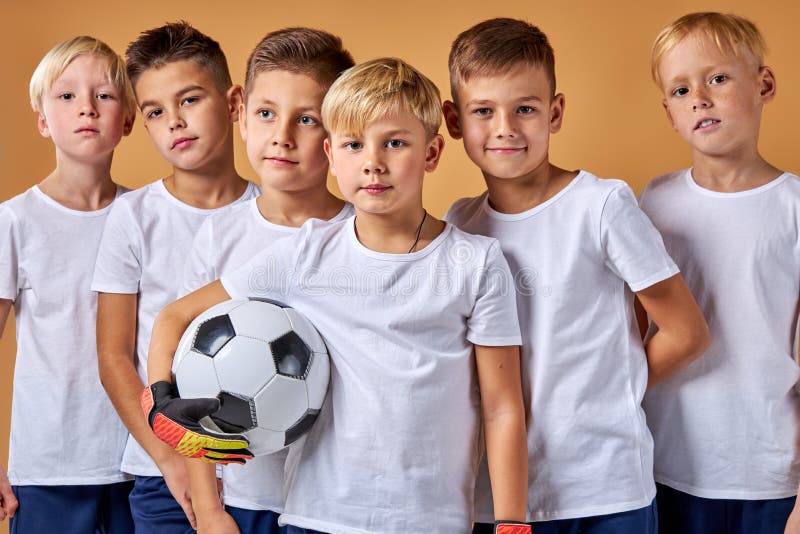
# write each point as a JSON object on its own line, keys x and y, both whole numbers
{"x": 575, "y": 259}
{"x": 396, "y": 446}
{"x": 726, "y": 426}
{"x": 225, "y": 241}
{"x": 64, "y": 430}
{"x": 144, "y": 247}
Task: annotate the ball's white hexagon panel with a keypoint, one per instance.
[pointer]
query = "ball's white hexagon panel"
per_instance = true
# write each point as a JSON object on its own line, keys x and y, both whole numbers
{"x": 265, "y": 441}
{"x": 196, "y": 376}
{"x": 318, "y": 378}
{"x": 305, "y": 330}
{"x": 281, "y": 403}
{"x": 244, "y": 365}
{"x": 185, "y": 344}
{"x": 259, "y": 320}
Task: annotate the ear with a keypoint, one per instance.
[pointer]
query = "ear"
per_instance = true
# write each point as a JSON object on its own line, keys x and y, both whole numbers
{"x": 452, "y": 119}
{"x": 41, "y": 124}
{"x": 433, "y": 153}
{"x": 767, "y": 84}
{"x": 557, "y": 106}
{"x": 127, "y": 127}
{"x": 235, "y": 97}
{"x": 326, "y": 146}
{"x": 669, "y": 115}
{"x": 243, "y": 121}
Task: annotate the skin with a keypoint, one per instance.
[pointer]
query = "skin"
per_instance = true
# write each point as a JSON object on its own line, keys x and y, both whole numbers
{"x": 190, "y": 122}
{"x": 83, "y": 113}
{"x": 505, "y": 122}
{"x": 701, "y": 81}
{"x": 394, "y": 152}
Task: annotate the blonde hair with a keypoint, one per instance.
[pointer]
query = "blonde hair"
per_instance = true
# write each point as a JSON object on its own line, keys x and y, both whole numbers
{"x": 378, "y": 88}
{"x": 60, "y": 56}
{"x": 730, "y": 33}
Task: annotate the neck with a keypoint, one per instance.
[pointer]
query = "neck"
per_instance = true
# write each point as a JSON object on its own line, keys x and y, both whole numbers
{"x": 211, "y": 186}
{"x": 80, "y": 185}
{"x": 293, "y": 208}
{"x": 398, "y": 233}
{"x": 734, "y": 172}
{"x": 517, "y": 195}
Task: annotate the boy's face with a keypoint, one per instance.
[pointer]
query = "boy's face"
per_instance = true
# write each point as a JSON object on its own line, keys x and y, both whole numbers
{"x": 381, "y": 169}
{"x": 714, "y": 99}
{"x": 187, "y": 117}
{"x": 83, "y": 111}
{"x": 281, "y": 125}
{"x": 506, "y": 120}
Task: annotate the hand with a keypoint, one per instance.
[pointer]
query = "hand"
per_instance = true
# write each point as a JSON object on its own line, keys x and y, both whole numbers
{"x": 8, "y": 501}
{"x": 217, "y": 521}
{"x": 511, "y": 527}
{"x": 176, "y": 422}
{"x": 793, "y": 524}
{"x": 175, "y": 475}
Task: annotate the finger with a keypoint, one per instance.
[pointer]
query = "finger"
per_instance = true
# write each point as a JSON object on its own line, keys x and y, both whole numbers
{"x": 187, "y": 509}
{"x": 223, "y": 458}
{"x": 196, "y": 409}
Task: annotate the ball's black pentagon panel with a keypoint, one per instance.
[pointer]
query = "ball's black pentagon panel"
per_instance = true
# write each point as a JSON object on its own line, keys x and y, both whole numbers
{"x": 300, "y": 428}
{"x": 292, "y": 356}
{"x": 213, "y": 334}
{"x": 235, "y": 414}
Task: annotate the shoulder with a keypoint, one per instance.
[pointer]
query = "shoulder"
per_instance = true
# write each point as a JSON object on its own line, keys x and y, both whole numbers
{"x": 141, "y": 199}
{"x": 463, "y": 247}
{"x": 664, "y": 183}
{"x": 233, "y": 214}
{"x": 20, "y": 206}
{"x": 464, "y": 208}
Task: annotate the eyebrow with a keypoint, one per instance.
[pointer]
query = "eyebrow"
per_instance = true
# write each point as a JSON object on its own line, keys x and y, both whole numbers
{"x": 480, "y": 102}
{"x": 269, "y": 102}
{"x": 179, "y": 94}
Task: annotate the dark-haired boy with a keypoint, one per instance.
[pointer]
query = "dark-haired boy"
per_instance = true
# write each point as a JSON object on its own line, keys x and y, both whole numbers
{"x": 578, "y": 247}
{"x": 188, "y": 103}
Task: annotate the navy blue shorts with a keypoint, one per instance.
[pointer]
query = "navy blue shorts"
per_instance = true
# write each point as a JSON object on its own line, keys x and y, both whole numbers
{"x": 90, "y": 509}
{"x": 155, "y": 510}
{"x": 641, "y": 521}
{"x": 256, "y": 521}
{"x": 681, "y": 513}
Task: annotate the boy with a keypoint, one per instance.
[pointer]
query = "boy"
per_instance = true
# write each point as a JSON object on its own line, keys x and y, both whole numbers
{"x": 578, "y": 246}
{"x": 66, "y": 441}
{"x": 726, "y": 428}
{"x": 288, "y": 74}
{"x": 189, "y": 105}
{"x": 400, "y": 298}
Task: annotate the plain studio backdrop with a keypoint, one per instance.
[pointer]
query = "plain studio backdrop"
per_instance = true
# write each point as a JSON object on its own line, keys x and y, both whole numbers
{"x": 614, "y": 124}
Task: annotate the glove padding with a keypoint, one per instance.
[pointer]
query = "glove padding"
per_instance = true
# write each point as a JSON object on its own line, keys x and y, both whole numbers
{"x": 176, "y": 422}
{"x": 511, "y": 527}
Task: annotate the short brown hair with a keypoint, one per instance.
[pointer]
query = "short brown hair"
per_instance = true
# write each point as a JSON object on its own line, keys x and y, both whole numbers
{"x": 177, "y": 41}
{"x": 730, "y": 33}
{"x": 496, "y": 46}
{"x": 379, "y": 88}
{"x": 315, "y": 53}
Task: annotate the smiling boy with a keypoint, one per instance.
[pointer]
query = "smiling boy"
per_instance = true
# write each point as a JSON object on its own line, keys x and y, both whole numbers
{"x": 189, "y": 105}
{"x": 726, "y": 427}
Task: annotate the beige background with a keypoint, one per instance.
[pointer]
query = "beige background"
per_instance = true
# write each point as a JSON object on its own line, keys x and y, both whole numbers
{"x": 614, "y": 124}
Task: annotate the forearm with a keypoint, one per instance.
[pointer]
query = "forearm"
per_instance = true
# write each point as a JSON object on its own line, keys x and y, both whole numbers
{"x": 203, "y": 484}
{"x": 167, "y": 331}
{"x": 670, "y": 351}
{"x": 507, "y": 455}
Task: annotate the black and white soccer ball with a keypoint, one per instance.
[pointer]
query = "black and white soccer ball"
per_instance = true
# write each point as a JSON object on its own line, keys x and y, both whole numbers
{"x": 266, "y": 364}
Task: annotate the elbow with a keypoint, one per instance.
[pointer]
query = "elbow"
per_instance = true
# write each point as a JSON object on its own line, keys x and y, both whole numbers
{"x": 695, "y": 341}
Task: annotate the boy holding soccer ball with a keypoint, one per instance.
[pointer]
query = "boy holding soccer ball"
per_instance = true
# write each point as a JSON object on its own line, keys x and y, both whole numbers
{"x": 409, "y": 307}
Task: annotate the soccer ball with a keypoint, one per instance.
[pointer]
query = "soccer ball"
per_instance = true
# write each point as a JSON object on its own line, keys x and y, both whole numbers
{"x": 266, "y": 364}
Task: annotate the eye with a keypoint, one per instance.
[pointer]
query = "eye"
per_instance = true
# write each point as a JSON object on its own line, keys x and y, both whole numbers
{"x": 66, "y": 96}
{"x": 265, "y": 114}
{"x": 395, "y": 143}
{"x": 352, "y": 146}
{"x": 719, "y": 78}
{"x": 308, "y": 120}
{"x": 680, "y": 91}
{"x": 189, "y": 100}
{"x": 154, "y": 113}
{"x": 105, "y": 96}
{"x": 524, "y": 110}
{"x": 482, "y": 112}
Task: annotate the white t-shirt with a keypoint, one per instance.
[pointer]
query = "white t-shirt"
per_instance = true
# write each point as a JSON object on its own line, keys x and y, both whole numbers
{"x": 225, "y": 241}
{"x": 145, "y": 243}
{"x": 575, "y": 259}
{"x": 726, "y": 427}
{"x": 64, "y": 430}
{"x": 396, "y": 447}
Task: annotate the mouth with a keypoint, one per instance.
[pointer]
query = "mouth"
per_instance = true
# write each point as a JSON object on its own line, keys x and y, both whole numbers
{"x": 705, "y": 123}
{"x": 376, "y": 189}
{"x": 87, "y": 131}
{"x": 506, "y": 150}
{"x": 282, "y": 162}
{"x": 182, "y": 142}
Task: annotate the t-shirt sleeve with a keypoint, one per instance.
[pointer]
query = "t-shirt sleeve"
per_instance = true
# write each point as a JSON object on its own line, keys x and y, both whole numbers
{"x": 494, "y": 321}
{"x": 118, "y": 268}
{"x": 9, "y": 254}
{"x": 633, "y": 248}
{"x": 199, "y": 269}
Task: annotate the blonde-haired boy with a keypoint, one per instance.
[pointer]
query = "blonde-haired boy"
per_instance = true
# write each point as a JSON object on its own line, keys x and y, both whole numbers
{"x": 401, "y": 300}
{"x": 579, "y": 248}
{"x": 726, "y": 427}
{"x": 66, "y": 440}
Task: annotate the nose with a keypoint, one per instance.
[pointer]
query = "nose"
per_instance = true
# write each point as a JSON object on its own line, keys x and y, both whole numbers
{"x": 87, "y": 108}
{"x": 700, "y": 100}
{"x": 282, "y": 135}
{"x": 176, "y": 122}
{"x": 373, "y": 162}
{"x": 503, "y": 125}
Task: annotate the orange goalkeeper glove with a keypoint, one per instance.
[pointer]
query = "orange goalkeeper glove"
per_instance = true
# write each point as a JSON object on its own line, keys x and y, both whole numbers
{"x": 511, "y": 527}
{"x": 176, "y": 422}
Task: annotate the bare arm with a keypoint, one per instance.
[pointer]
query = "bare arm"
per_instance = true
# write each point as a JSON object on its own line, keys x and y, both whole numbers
{"x": 504, "y": 423}
{"x": 682, "y": 334}
{"x": 116, "y": 344}
{"x": 211, "y": 515}
{"x": 8, "y": 501}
